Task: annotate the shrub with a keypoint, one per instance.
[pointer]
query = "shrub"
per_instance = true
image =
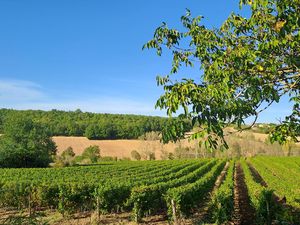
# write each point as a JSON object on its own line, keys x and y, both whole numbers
{"x": 66, "y": 158}
{"x": 92, "y": 153}
{"x": 135, "y": 155}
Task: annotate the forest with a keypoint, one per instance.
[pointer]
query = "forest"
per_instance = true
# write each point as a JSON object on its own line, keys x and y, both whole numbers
{"x": 94, "y": 126}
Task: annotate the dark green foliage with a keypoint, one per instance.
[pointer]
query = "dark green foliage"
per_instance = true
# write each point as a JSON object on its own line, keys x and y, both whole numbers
{"x": 92, "y": 125}
{"x": 25, "y": 143}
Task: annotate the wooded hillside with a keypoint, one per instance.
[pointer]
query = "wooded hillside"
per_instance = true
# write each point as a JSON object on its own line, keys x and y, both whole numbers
{"x": 93, "y": 125}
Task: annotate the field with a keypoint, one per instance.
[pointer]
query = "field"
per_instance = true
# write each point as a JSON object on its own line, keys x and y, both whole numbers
{"x": 123, "y": 148}
{"x": 114, "y": 148}
{"x": 155, "y": 192}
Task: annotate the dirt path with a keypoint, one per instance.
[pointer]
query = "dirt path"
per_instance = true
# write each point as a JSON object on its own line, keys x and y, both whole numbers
{"x": 202, "y": 213}
{"x": 221, "y": 177}
{"x": 88, "y": 218}
{"x": 243, "y": 212}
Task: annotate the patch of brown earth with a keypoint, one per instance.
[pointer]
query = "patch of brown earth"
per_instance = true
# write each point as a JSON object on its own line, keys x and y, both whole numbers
{"x": 244, "y": 214}
{"x": 55, "y": 218}
{"x": 202, "y": 212}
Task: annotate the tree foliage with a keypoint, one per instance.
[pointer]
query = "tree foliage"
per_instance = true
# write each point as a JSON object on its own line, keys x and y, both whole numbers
{"x": 66, "y": 158}
{"x": 245, "y": 65}
{"x": 92, "y": 153}
{"x": 25, "y": 144}
{"x": 93, "y": 125}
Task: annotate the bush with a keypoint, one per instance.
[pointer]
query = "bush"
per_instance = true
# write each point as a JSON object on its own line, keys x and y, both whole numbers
{"x": 66, "y": 158}
{"x": 171, "y": 156}
{"x": 184, "y": 152}
{"x": 135, "y": 155}
{"x": 152, "y": 156}
{"x": 78, "y": 159}
{"x": 92, "y": 153}
{"x": 150, "y": 136}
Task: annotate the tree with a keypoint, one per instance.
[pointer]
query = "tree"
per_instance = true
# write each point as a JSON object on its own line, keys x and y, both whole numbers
{"x": 92, "y": 132}
{"x": 66, "y": 158}
{"x": 136, "y": 155}
{"x": 25, "y": 144}
{"x": 92, "y": 153}
{"x": 68, "y": 153}
{"x": 246, "y": 65}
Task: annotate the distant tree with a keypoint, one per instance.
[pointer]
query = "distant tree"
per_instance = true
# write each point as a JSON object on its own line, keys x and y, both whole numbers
{"x": 245, "y": 66}
{"x": 68, "y": 153}
{"x": 92, "y": 153}
{"x": 25, "y": 144}
{"x": 171, "y": 156}
{"x": 66, "y": 158}
{"x": 150, "y": 136}
{"x": 90, "y": 125}
{"x": 136, "y": 155}
{"x": 152, "y": 156}
{"x": 92, "y": 132}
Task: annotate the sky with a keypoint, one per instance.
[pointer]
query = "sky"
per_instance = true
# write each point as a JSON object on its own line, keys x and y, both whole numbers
{"x": 87, "y": 54}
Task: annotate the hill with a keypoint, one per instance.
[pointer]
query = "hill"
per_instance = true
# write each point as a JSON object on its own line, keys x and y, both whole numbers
{"x": 94, "y": 126}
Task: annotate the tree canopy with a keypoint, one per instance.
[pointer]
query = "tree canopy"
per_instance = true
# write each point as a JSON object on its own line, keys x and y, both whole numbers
{"x": 245, "y": 66}
{"x": 25, "y": 143}
{"x": 93, "y": 125}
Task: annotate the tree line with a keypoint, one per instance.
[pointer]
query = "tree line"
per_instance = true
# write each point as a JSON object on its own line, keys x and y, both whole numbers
{"x": 93, "y": 125}
{"x": 25, "y": 139}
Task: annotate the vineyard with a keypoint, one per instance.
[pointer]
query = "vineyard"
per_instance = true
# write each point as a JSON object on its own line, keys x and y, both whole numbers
{"x": 260, "y": 189}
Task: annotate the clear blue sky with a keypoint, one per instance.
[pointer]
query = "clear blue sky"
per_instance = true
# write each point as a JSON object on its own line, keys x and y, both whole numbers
{"x": 87, "y": 54}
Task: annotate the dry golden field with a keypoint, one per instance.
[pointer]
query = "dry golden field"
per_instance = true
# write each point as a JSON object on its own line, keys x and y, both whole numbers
{"x": 116, "y": 148}
{"x": 249, "y": 142}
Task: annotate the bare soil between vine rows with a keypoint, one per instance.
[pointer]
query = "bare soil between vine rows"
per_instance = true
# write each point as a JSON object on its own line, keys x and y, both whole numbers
{"x": 243, "y": 212}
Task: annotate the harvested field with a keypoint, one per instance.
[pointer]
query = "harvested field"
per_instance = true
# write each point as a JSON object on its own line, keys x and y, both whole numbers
{"x": 123, "y": 148}
{"x": 115, "y": 148}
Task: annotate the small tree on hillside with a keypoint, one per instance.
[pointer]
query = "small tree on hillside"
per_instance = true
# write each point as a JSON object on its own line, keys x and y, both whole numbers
{"x": 92, "y": 153}
{"x": 66, "y": 158}
{"x": 135, "y": 155}
{"x": 25, "y": 144}
{"x": 68, "y": 153}
{"x": 152, "y": 156}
